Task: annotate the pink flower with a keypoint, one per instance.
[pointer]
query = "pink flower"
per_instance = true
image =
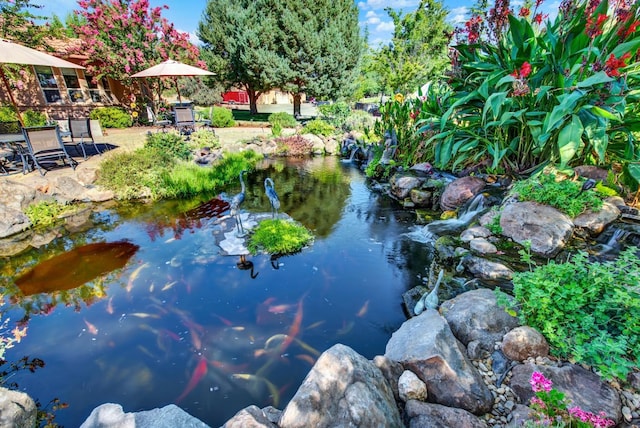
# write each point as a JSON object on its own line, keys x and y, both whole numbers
{"x": 540, "y": 383}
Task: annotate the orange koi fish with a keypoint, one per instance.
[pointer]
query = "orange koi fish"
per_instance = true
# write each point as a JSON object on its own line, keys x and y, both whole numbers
{"x": 363, "y": 310}
{"x": 134, "y": 275}
{"x": 196, "y": 377}
{"x": 294, "y": 329}
{"x": 279, "y": 309}
{"x": 91, "y": 328}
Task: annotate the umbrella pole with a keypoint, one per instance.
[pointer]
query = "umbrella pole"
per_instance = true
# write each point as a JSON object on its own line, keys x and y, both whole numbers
{"x": 175, "y": 80}
{"x": 13, "y": 101}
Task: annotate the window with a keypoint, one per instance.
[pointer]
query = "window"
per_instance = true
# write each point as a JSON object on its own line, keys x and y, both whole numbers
{"x": 73, "y": 85}
{"x": 94, "y": 90}
{"x": 108, "y": 97}
{"x": 48, "y": 84}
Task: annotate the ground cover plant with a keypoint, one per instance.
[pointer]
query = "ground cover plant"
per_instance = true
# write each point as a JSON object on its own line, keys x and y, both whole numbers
{"x": 278, "y": 237}
{"x": 588, "y": 311}
{"x": 46, "y": 213}
{"x": 562, "y": 194}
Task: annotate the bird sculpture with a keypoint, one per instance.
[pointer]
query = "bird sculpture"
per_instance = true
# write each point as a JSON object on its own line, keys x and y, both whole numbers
{"x": 273, "y": 196}
{"x": 589, "y": 184}
{"x": 236, "y": 201}
{"x": 429, "y": 300}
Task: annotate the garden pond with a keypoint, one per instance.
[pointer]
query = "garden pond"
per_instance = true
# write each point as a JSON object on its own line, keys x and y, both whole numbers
{"x": 142, "y": 308}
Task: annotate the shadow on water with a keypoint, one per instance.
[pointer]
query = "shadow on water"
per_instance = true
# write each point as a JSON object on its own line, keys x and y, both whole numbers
{"x": 182, "y": 323}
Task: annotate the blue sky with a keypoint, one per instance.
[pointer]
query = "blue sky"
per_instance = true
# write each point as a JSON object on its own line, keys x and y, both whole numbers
{"x": 186, "y": 14}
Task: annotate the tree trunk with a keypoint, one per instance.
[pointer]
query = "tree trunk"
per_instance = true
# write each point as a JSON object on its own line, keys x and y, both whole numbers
{"x": 296, "y": 104}
{"x": 253, "y": 100}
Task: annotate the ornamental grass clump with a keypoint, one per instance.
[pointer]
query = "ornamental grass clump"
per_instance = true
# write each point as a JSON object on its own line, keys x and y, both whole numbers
{"x": 551, "y": 409}
{"x": 278, "y": 237}
{"x": 588, "y": 311}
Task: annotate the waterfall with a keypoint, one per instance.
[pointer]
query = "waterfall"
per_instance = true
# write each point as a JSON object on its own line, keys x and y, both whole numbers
{"x": 456, "y": 225}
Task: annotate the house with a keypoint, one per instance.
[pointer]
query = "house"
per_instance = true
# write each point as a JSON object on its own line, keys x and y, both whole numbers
{"x": 61, "y": 93}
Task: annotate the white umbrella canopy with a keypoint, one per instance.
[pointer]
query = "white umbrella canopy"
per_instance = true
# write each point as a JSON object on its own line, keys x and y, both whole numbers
{"x": 174, "y": 69}
{"x": 15, "y": 53}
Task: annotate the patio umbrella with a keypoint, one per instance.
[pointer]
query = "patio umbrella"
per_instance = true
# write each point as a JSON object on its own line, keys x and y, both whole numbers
{"x": 173, "y": 69}
{"x": 14, "y": 53}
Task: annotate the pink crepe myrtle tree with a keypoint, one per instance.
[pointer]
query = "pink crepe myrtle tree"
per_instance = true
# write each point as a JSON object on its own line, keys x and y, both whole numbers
{"x": 123, "y": 37}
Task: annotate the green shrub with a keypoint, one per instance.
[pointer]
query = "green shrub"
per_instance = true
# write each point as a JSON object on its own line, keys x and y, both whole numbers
{"x": 138, "y": 174}
{"x": 359, "y": 120}
{"x": 8, "y": 114}
{"x": 284, "y": 119}
{"x": 112, "y": 117}
{"x": 169, "y": 143}
{"x": 336, "y": 113}
{"x": 564, "y": 195}
{"x": 588, "y": 311}
{"x": 278, "y": 237}
{"x": 45, "y": 213}
{"x": 34, "y": 118}
{"x": 189, "y": 179}
{"x": 222, "y": 118}
{"x": 318, "y": 127}
{"x": 204, "y": 138}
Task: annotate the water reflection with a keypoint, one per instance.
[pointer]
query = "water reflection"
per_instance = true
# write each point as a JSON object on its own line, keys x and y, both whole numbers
{"x": 182, "y": 322}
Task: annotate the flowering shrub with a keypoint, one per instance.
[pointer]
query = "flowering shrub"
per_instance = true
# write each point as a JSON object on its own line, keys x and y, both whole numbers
{"x": 525, "y": 92}
{"x": 551, "y": 408}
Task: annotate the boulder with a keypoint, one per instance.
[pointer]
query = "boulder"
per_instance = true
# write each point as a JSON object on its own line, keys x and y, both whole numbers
{"x": 12, "y": 221}
{"x": 425, "y": 345}
{"x": 342, "y": 389}
{"x": 428, "y": 415}
{"x": 111, "y": 415}
{"x": 476, "y": 316}
{"x": 524, "y": 342}
{"x": 486, "y": 270}
{"x": 596, "y": 221}
{"x": 16, "y": 196}
{"x": 545, "y": 227}
{"x": 411, "y": 387}
{"x": 482, "y": 246}
{"x": 391, "y": 370}
{"x": 581, "y": 387}
{"x": 401, "y": 185}
{"x": 17, "y": 409}
{"x": 460, "y": 191}
{"x": 250, "y": 417}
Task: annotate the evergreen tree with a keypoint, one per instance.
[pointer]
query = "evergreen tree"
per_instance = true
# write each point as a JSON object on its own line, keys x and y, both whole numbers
{"x": 240, "y": 45}
{"x": 418, "y": 50}
{"x": 321, "y": 44}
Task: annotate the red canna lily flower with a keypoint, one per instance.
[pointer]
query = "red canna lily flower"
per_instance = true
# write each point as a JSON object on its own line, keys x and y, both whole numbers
{"x": 612, "y": 64}
{"x": 524, "y": 12}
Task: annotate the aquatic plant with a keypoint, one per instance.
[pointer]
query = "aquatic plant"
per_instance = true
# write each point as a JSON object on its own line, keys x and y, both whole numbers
{"x": 589, "y": 312}
{"x": 278, "y": 237}
{"x": 45, "y": 213}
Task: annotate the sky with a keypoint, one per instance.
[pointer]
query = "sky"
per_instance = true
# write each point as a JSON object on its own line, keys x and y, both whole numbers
{"x": 186, "y": 14}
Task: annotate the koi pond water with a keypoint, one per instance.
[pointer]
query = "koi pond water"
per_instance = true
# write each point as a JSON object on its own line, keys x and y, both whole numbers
{"x": 143, "y": 309}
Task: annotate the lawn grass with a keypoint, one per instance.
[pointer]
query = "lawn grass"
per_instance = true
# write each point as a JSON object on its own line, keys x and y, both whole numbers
{"x": 246, "y": 116}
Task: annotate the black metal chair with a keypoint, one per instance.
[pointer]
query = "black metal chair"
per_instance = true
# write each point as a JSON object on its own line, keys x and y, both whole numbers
{"x": 159, "y": 123}
{"x": 81, "y": 129}
{"x": 13, "y": 154}
{"x": 44, "y": 144}
{"x": 185, "y": 120}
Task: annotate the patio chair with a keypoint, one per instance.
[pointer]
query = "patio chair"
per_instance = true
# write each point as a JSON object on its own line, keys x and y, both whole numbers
{"x": 13, "y": 154}
{"x": 185, "y": 120}
{"x": 45, "y": 144}
{"x": 159, "y": 123}
{"x": 81, "y": 128}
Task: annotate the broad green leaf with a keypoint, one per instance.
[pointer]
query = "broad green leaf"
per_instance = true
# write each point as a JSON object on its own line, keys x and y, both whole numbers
{"x": 494, "y": 103}
{"x": 595, "y": 130}
{"x": 599, "y": 111}
{"x": 633, "y": 170}
{"x": 623, "y": 48}
{"x": 562, "y": 110}
{"x": 569, "y": 140}
{"x": 599, "y": 77}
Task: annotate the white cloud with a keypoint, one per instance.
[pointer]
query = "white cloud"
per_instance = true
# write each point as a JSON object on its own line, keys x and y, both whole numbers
{"x": 385, "y": 27}
{"x": 382, "y": 4}
{"x": 456, "y": 19}
{"x": 463, "y": 10}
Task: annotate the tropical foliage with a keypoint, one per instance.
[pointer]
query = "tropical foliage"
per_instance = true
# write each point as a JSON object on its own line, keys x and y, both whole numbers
{"x": 523, "y": 93}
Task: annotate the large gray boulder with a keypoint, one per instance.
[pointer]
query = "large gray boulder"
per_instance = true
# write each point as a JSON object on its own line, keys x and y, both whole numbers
{"x": 12, "y": 221}
{"x": 17, "y": 409}
{"x": 486, "y": 270}
{"x": 425, "y": 345}
{"x": 545, "y": 227}
{"x": 402, "y": 184}
{"x": 596, "y": 221}
{"x": 581, "y": 387}
{"x": 428, "y": 415}
{"x": 343, "y": 389}
{"x": 110, "y": 415}
{"x": 250, "y": 417}
{"x": 475, "y": 316}
{"x": 16, "y": 195}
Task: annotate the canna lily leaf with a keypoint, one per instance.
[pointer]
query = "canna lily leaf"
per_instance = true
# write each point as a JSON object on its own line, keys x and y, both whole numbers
{"x": 599, "y": 111}
{"x": 623, "y": 48}
{"x": 596, "y": 79}
{"x": 569, "y": 140}
{"x": 495, "y": 101}
{"x": 562, "y": 110}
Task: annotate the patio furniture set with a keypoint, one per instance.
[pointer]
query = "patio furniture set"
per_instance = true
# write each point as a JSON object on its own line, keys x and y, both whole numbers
{"x": 25, "y": 149}
{"x": 184, "y": 120}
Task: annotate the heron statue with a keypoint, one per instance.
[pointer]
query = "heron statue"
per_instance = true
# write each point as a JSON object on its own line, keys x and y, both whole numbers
{"x": 273, "y": 196}
{"x": 236, "y": 201}
{"x": 430, "y": 299}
